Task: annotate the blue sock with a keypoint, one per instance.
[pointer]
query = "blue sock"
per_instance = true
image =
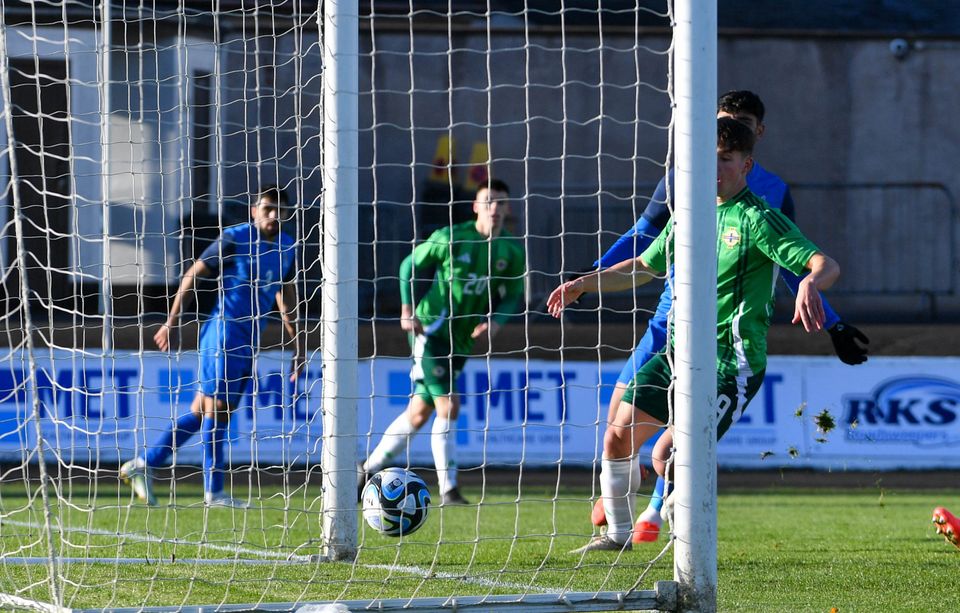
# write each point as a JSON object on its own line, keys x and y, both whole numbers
{"x": 175, "y": 436}
{"x": 656, "y": 499}
{"x": 213, "y": 435}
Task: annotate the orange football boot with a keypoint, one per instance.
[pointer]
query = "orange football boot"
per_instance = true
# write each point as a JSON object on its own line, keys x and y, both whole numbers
{"x": 598, "y": 516}
{"x": 645, "y": 532}
{"x": 948, "y": 525}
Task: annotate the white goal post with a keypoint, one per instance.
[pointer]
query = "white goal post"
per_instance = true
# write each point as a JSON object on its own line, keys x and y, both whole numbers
{"x": 144, "y": 146}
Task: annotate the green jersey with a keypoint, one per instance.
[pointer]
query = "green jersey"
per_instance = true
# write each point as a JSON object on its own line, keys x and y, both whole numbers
{"x": 474, "y": 276}
{"x": 752, "y": 241}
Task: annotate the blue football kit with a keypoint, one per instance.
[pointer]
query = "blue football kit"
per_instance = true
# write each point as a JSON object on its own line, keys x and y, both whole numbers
{"x": 252, "y": 270}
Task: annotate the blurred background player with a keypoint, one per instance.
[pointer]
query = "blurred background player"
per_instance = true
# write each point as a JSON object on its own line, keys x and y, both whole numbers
{"x": 755, "y": 240}
{"x": 477, "y": 272}
{"x": 256, "y": 266}
{"x": 746, "y": 107}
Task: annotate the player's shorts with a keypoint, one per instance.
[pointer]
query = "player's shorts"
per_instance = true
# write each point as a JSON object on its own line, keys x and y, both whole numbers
{"x": 435, "y": 370}
{"x": 225, "y": 369}
{"x": 649, "y": 392}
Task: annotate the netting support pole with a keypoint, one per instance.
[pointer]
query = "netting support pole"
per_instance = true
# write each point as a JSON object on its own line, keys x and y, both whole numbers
{"x": 106, "y": 283}
{"x": 695, "y": 291}
{"x": 34, "y": 413}
{"x": 339, "y": 319}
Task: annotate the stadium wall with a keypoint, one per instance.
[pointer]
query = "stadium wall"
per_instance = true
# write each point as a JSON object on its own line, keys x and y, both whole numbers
{"x": 865, "y": 137}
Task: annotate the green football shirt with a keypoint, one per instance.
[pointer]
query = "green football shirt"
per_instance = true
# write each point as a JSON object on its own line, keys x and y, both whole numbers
{"x": 473, "y": 277}
{"x": 752, "y": 241}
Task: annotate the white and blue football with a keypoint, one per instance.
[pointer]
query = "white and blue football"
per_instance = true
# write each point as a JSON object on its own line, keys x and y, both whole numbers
{"x": 395, "y": 502}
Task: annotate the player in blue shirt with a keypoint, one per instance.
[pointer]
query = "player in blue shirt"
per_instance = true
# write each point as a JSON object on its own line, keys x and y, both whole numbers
{"x": 256, "y": 265}
{"x": 746, "y": 107}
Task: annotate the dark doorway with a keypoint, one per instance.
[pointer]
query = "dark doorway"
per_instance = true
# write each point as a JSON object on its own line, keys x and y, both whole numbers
{"x": 41, "y": 137}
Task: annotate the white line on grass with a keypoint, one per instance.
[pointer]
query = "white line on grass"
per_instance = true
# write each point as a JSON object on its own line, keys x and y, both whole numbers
{"x": 269, "y": 557}
{"x": 145, "y": 560}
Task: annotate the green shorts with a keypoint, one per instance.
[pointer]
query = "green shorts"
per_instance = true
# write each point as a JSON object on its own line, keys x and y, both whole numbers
{"x": 650, "y": 392}
{"x": 435, "y": 370}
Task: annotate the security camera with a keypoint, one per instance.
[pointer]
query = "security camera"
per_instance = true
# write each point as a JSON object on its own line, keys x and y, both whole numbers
{"x": 899, "y": 47}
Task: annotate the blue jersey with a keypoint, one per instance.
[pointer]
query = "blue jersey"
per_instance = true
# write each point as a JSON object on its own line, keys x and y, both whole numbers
{"x": 761, "y": 181}
{"x": 251, "y": 270}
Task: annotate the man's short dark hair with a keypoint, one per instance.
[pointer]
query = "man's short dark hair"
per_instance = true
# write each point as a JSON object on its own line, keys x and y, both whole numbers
{"x": 272, "y": 193}
{"x": 494, "y": 185}
{"x": 741, "y": 101}
{"x": 734, "y": 136}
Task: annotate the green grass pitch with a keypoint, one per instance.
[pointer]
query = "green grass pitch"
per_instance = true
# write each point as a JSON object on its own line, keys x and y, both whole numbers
{"x": 779, "y": 550}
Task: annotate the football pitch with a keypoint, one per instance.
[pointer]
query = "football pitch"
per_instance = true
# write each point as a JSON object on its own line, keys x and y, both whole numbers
{"x": 780, "y": 549}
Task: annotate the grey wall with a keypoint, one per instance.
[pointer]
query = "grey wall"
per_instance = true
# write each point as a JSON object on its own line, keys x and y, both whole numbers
{"x": 846, "y": 120}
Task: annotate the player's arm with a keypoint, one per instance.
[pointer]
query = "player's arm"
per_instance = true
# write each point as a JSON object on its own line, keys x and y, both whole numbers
{"x": 424, "y": 257}
{"x": 780, "y": 240}
{"x": 625, "y": 275}
{"x": 824, "y": 272}
{"x": 163, "y": 336}
{"x": 287, "y": 305}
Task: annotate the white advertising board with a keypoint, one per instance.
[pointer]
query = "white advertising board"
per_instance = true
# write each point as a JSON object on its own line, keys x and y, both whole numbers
{"x": 890, "y": 412}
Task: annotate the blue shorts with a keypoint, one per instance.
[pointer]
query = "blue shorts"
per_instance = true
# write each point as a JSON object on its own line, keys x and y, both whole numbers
{"x": 225, "y": 370}
{"x": 653, "y": 341}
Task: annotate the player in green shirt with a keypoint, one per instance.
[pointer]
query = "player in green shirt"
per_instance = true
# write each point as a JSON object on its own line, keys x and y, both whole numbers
{"x": 753, "y": 240}
{"x": 478, "y": 270}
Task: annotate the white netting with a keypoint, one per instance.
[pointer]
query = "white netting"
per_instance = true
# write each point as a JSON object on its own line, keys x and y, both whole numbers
{"x": 124, "y": 167}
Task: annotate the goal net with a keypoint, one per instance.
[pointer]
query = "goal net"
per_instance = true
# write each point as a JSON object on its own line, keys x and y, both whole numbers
{"x": 138, "y": 143}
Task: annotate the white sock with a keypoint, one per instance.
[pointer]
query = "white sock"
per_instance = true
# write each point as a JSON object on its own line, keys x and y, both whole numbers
{"x": 395, "y": 440}
{"x": 618, "y": 483}
{"x": 651, "y": 515}
{"x": 441, "y": 441}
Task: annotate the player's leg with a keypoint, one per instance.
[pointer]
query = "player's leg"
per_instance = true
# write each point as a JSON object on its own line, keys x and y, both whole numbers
{"x": 620, "y": 470}
{"x": 442, "y": 440}
{"x": 213, "y": 434}
{"x": 224, "y": 380}
{"x": 734, "y": 393}
{"x": 652, "y": 343}
{"x": 647, "y": 526}
{"x": 440, "y": 377}
{"x": 597, "y": 516}
{"x": 137, "y": 472}
{"x": 396, "y": 438}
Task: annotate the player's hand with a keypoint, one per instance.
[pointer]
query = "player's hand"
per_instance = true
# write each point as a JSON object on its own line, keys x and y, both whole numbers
{"x": 411, "y": 324}
{"x": 482, "y": 327}
{"x": 297, "y": 366}
{"x": 809, "y": 307}
{"x": 165, "y": 336}
{"x": 563, "y": 295}
{"x": 576, "y": 274}
{"x": 844, "y": 338}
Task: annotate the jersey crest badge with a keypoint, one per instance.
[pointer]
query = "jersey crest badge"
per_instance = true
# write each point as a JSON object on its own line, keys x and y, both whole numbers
{"x": 465, "y": 258}
{"x": 730, "y": 237}
{"x": 500, "y": 265}
{"x": 439, "y": 371}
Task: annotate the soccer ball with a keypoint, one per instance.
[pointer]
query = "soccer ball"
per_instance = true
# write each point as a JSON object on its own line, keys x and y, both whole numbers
{"x": 395, "y": 502}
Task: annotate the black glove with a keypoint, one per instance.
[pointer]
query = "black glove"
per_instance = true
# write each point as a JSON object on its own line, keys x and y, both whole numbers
{"x": 845, "y": 337}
